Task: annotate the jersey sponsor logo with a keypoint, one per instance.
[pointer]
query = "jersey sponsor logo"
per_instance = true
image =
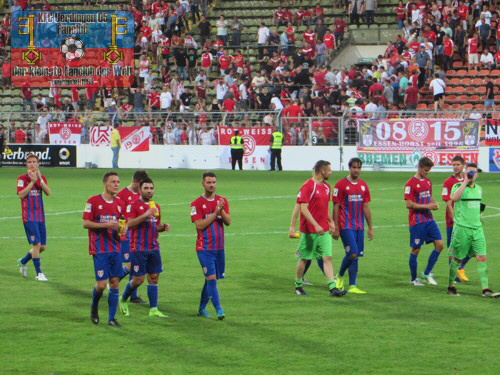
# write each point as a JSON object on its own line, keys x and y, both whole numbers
{"x": 407, "y": 190}
{"x": 355, "y": 198}
{"x": 100, "y": 273}
{"x": 425, "y": 194}
{"x": 136, "y": 268}
{"x": 88, "y": 207}
{"x": 106, "y": 218}
{"x": 335, "y": 192}
{"x": 20, "y": 183}
{"x": 445, "y": 191}
{"x": 193, "y": 210}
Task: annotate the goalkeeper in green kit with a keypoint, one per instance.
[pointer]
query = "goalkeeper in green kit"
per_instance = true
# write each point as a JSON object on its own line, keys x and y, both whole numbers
{"x": 468, "y": 237}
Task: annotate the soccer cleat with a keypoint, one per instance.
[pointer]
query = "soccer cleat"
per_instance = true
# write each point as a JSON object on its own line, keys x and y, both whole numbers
{"x": 22, "y": 268}
{"x": 306, "y": 282}
{"x": 452, "y": 291}
{"x": 94, "y": 315}
{"x": 137, "y": 300}
{"x": 335, "y": 292}
{"x": 416, "y": 282}
{"x": 355, "y": 290}
{"x": 203, "y": 313}
{"x": 220, "y": 314}
{"x": 114, "y": 323}
{"x": 462, "y": 276}
{"x": 430, "y": 278}
{"x": 300, "y": 291}
{"x": 490, "y": 294}
{"x": 41, "y": 277}
{"x": 153, "y": 311}
{"x": 124, "y": 307}
{"x": 339, "y": 284}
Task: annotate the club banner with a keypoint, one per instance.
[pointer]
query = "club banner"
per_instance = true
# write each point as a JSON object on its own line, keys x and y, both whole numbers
{"x": 494, "y": 159}
{"x": 100, "y": 136}
{"x": 49, "y": 155}
{"x": 258, "y": 136}
{"x": 388, "y": 143}
{"x": 492, "y": 135}
{"x": 135, "y": 138}
{"x": 72, "y": 48}
{"x": 65, "y": 133}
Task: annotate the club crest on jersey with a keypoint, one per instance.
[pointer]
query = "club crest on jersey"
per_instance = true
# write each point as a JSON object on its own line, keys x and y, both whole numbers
{"x": 417, "y": 241}
{"x": 100, "y": 273}
{"x": 100, "y": 207}
{"x": 141, "y": 208}
{"x": 136, "y": 268}
{"x": 129, "y": 207}
{"x": 347, "y": 188}
{"x": 362, "y": 188}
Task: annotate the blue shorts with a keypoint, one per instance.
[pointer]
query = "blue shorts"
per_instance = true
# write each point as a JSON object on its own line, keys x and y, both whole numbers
{"x": 36, "y": 233}
{"x": 449, "y": 231}
{"x": 424, "y": 233}
{"x": 125, "y": 251}
{"x": 353, "y": 241}
{"x": 107, "y": 265}
{"x": 213, "y": 262}
{"x": 144, "y": 262}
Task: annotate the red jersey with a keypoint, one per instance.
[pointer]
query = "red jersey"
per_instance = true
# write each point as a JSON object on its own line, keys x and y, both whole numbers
{"x": 472, "y": 45}
{"x": 144, "y": 237}
{"x": 20, "y": 136}
{"x": 290, "y": 33}
{"x": 32, "y": 203}
{"x": 206, "y": 60}
{"x": 128, "y": 196}
{"x": 98, "y": 210}
{"x": 420, "y": 192}
{"x": 447, "y": 186}
{"x": 318, "y": 11}
{"x": 218, "y": 43}
{"x": 329, "y": 40}
{"x": 463, "y": 11}
{"x": 415, "y": 46}
{"x": 497, "y": 57}
{"x": 212, "y": 237}
{"x": 309, "y": 37}
{"x": 146, "y": 31}
{"x": 400, "y": 13}
{"x": 278, "y": 15}
{"x": 238, "y": 61}
{"x": 294, "y": 111}
{"x": 351, "y": 197}
{"x": 164, "y": 45}
{"x": 498, "y": 30}
{"x": 75, "y": 96}
{"x": 287, "y": 15}
{"x": 340, "y": 26}
{"x": 317, "y": 196}
{"x": 448, "y": 47}
{"x": 224, "y": 61}
{"x": 308, "y": 52}
{"x": 154, "y": 99}
{"x": 228, "y": 105}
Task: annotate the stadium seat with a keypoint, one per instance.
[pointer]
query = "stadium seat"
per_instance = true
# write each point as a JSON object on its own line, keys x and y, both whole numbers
{"x": 470, "y": 89}
{"x": 467, "y": 107}
{"x": 477, "y": 81}
{"x": 473, "y": 73}
{"x": 495, "y": 73}
{"x": 459, "y": 90}
{"x": 456, "y": 107}
{"x": 450, "y": 73}
{"x": 462, "y": 98}
{"x": 474, "y": 98}
{"x": 461, "y": 72}
{"x": 455, "y": 81}
{"x": 465, "y": 81}
{"x": 422, "y": 107}
{"x": 481, "y": 90}
{"x": 450, "y": 98}
{"x": 479, "y": 107}
{"x": 484, "y": 73}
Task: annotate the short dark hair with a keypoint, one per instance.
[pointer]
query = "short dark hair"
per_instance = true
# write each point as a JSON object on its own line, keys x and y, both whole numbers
{"x": 425, "y": 162}
{"x": 458, "y": 158}
{"x": 471, "y": 165}
{"x": 30, "y": 156}
{"x": 320, "y": 164}
{"x": 355, "y": 160}
{"x": 140, "y": 175}
{"x": 108, "y": 175}
{"x": 208, "y": 174}
{"x": 146, "y": 180}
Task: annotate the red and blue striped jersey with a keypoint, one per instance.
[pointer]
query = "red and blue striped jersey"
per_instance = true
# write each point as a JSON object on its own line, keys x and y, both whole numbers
{"x": 32, "y": 203}
{"x": 143, "y": 237}
{"x": 419, "y": 191}
{"x": 128, "y": 197}
{"x": 212, "y": 237}
{"x": 99, "y": 210}
{"x": 351, "y": 196}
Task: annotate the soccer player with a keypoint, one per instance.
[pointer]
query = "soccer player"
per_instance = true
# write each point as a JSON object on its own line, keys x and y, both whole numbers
{"x": 210, "y": 212}
{"x": 129, "y": 195}
{"x": 144, "y": 221}
{"x": 351, "y": 198}
{"x": 458, "y": 165}
{"x": 101, "y": 217}
{"x": 423, "y": 228}
{"x": 316, "y": 227}
{"x": 468, "y": 236}
{"x": 30, "y": 188}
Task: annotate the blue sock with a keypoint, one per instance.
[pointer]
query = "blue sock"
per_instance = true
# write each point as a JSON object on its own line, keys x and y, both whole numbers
{"x": 346, "y": 263}
{"x": 464, "y": 262}
{"x": 96, "y": 296}
{"x": 204, "y": 297}
{"x": 128, "y": 291}
{"x": 153, "y": 295}
{"x": 413, "y": 266}
{"x": 213, "y": 293}
{"x": 308, "y": 264}
{"x": 134, "y": 291}
{"x": 320, "y": 264}
{"x": 36, "y": 263}
{"x": 26, "y": 258}
{"x": 113, "y": 296}
{"x": 432, "y": 261}
{"x": 353, "y": 271}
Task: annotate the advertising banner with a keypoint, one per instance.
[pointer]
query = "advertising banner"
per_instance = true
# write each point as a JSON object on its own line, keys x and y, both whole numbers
{"x": 49, "y": 155}
{"x": 65, "y": 133}
{"x": 401, "y": 143}
{"x": 67, "y": 48}
{"x": 492, "y": 134}
{"x": 494, "y": 159}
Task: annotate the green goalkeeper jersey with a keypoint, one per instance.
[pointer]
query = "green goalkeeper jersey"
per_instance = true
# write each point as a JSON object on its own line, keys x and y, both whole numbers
{"x": 468, "y": 207}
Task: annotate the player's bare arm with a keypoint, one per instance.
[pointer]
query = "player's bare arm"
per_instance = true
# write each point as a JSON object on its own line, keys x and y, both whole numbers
{"x": 202, "y": 224}
{"x": 163, "y": 227}
{"x": 449, "y": 208}
{"x": 43, "y": 185}
{"x": 368, "y": 217}
{"x": 331, "y": 224}
{"x": 226, "y": 218}
{"x": 304, "y": 210}
{"x": 416, "y": 206}
{"x": 293, "y": 221}
{"x": 28, "y": 187}
{"x": 139, "y": 219}
{"x": 88, "y": 224}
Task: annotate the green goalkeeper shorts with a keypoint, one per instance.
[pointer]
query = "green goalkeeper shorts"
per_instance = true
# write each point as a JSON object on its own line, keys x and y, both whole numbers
{"x": 313, "y": 246}
{"x": 467, "y": 241}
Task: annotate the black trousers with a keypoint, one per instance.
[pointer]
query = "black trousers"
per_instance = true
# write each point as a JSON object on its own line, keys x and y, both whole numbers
{"x": 236, "y": 156}
{"x": 276, "y": 157}
{"x": 2, "y": 149}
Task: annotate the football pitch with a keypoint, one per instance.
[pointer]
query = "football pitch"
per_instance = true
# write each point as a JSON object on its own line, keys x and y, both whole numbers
{"x": 394, "y": 329}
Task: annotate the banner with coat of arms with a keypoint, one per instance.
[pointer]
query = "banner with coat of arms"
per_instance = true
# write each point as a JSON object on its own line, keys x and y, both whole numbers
{"x": 65, "y": 133}
{"x": 134, "y": 138}
{"x": 400, "y": 143}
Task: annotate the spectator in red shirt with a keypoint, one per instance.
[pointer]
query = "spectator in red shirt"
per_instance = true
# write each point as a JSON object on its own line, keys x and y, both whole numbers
{"x": 317, "y": 13}
{"x": 278, "y": 18}
{"x": 27, "y": 97}
{"x": 448, "y": 47}
{"x": 229, "y": 104}
{"x": 6, "y": 82}
{"x": 375, "y": 88}
{"x": 411, "y": 97}
{"x": 20, "y": 136}
{"x": 340, "y": 27}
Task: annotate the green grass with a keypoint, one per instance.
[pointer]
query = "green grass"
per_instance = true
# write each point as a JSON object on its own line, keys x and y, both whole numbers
{"x": 395, "y": 329}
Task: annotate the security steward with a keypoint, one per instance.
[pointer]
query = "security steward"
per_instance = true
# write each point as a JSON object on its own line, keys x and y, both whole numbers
{"x": 275, "y": 146}
{"x": 236, "y": 150}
